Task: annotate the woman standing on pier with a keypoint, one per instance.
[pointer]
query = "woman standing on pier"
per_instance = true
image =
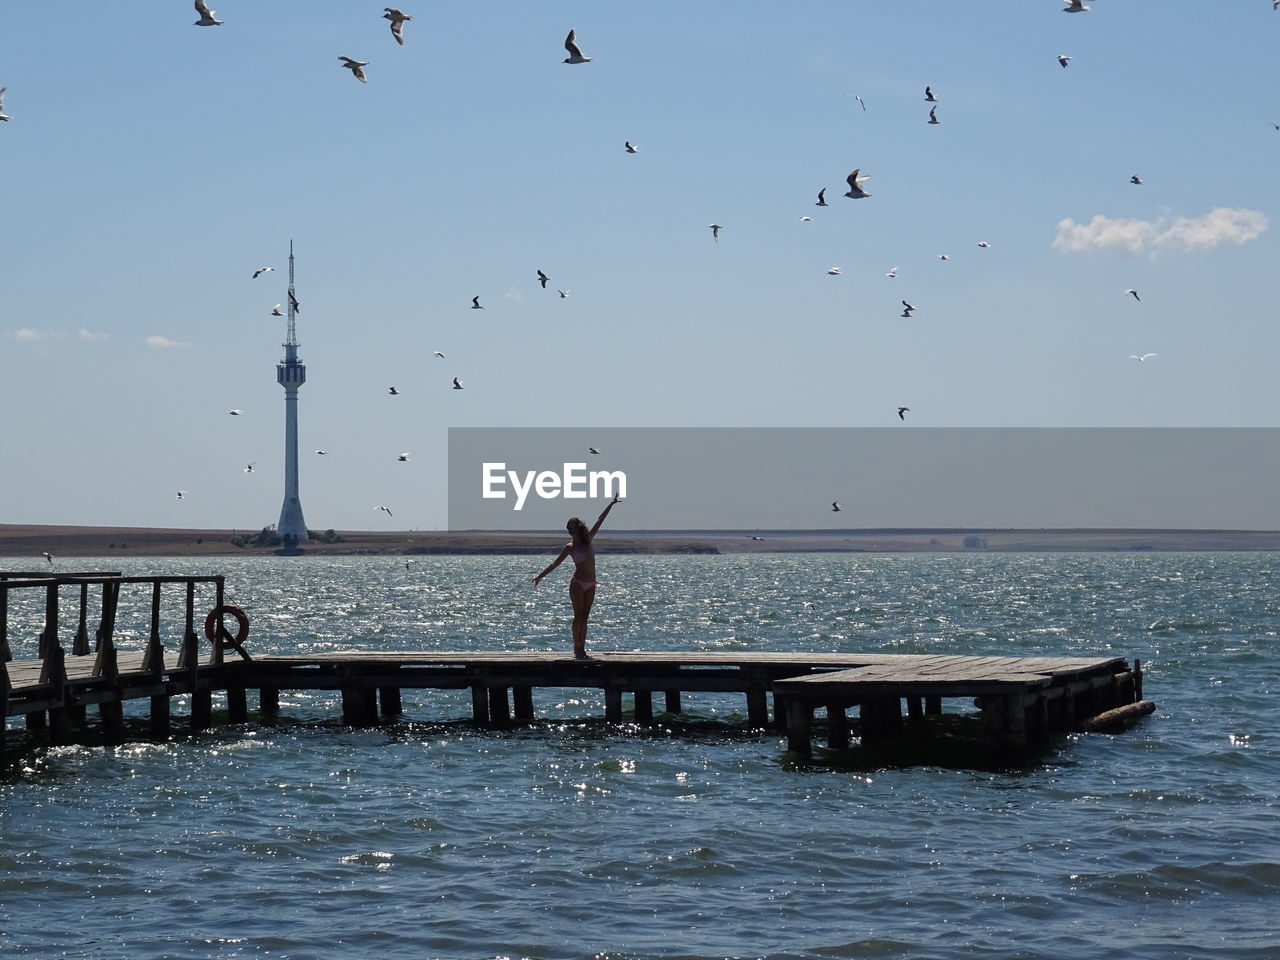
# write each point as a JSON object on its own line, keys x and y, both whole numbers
{"x": 582, "y": 587}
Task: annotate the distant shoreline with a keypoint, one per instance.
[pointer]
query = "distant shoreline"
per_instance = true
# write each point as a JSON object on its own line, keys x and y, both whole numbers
{"x": 33, "y": 540}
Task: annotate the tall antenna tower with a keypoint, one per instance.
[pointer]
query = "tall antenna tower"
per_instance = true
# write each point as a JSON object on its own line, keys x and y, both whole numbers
{"x": 291, "y": 374}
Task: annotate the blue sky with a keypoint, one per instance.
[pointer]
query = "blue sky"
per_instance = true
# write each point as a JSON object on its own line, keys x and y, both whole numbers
{"x": 150, "y": 166}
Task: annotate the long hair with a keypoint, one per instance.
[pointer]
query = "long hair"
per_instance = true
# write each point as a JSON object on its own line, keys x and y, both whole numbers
{"x": 578, "y": 530}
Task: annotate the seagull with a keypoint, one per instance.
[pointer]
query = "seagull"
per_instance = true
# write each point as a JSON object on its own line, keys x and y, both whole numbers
{"x": 386, "y": 510}
{"x": 855, "y": 191}
{"x": 1140, "y": 359}
{"x": 397, "y": 23}
{"x": 943, "y": 256}
{"x": 715, "y": 231}
{"x": 1064, "y": 60}
{"x": 907, "y": 309}
{"x": 929, "y": 97}
{"x": 1076, "y": 6}
{"x": 893, "y": 273}
{"x": 356, "y": 67}
{"x": 1135, "y": 180}
{"x": 630, "y": 147}
{"x": 902, "y": 412}
{"x": 261, "y": 270}
{"x": 475, "y": 304}
{"x": 293, "y": 302}
{"x": 206, "y": 15}
{"x": 542, "y": 279}
{"x": 49, "y": 556}
{"x": 575, "y": 54}
{"x": 404, "y": 457}
{"x": 593, "y": 449}
{"x": 407, "y": 562}
{"x": 236, "y": 412}
{"x": 822, "y": 198}
{"x": 3, "y": 115}
{"x": 933, "y": 116}
{"x": 1134, "y": 294}
{"x": 393, "y": 391}
{"x": 180, "y": 495}
{"x": 322, "y": 452}
{"x": 835, "y": 506}
{"x": 834, "y": 271}
{"x": 437, "y": 353}
{"x": 564, "y": 294}
{"x": 983, "y": 244}
{"x": 859, "y": 99}
{"x": 906, "y": 313}
{"x": 248, "y": 467}
{"x": 457, "y": 384}
{"x": 806, "y": 219}
{"x": 276, "y": 311}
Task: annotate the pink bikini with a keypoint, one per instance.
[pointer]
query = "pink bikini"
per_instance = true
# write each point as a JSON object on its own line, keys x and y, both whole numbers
{"x": 582, "y": 552}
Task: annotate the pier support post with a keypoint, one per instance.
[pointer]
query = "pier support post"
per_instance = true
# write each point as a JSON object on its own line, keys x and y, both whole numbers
{"x": 933, "y": 706}
{"x": 612, "y": 705}
{"x": 36, "y": 720}
{"x": 112, "y": 714}
{"x": 522, "y": 701}
{"x": 799, "y": 721}
{"x": 757, "y": 708}
{"x": 359, "y": 706}
{"x": 644, "y": 706}
{"x": 237, "y": 705}
{"x": 389, "y": 699}
{"x": 160, "y": 717}
{"x": 479, "y": 705}
{"x": 201, "y": 709}
{"x": 881, "y": 719}
{"x": 269, "y": 700}
{"x": 499, "y": 707}
{"x": 837, "y": 727}
{"x": 673, "y": 701}
{"x": 1004, "y": 719}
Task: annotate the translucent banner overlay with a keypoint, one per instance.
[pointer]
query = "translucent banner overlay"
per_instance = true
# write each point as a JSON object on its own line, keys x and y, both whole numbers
{"x": 791, "y": 478}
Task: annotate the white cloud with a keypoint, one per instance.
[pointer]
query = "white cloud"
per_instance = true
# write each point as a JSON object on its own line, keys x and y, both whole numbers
{"x": 27, "y": 335}
{"x": 91, "y": 335}
{"x": 1219, "y": 226}
{"x": 164, "y": 343}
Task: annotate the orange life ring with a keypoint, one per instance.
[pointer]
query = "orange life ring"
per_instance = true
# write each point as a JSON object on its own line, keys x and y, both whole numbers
{"x": 214, "y": 620}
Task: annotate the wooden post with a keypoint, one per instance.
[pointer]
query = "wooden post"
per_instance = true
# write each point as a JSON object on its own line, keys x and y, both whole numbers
{"x": 799, "y": 720}
{"x": 269, "y": 700}
{"x": 915, "y": 712}
{"x": 54, "y": 672}
{"x": 612, "y": 705}
{"x": 80, "y": 646}
{"x": 112, "y": 714}
{"x": 837, "y": 727}
{"x": 499, "y": 707}
{"x": 359, "y": 706}
{"x": 4, "y": 698}
{"x": 644, "y": 706}
{"x": 160, "y": 725}
{"x": 201, "y": 708}
{"x": 933, "y": 706}
{"x": 389, "y": 698}
{"x": 5, "y": 653}
{"x": 480, "y": 704}
{"x": 673, "y": 701}
{"x": 237, "y": 704}
{"x": 50, "y": 635}
{"x": 1137, "y": 680}
{"x": 757, "y": 707}
{"x": 522, "y": 700}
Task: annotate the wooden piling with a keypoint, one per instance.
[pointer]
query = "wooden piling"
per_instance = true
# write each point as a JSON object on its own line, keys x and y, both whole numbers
{"x": 269, "y": 700}
{"x": 237, "y": 704}
{"x": 160, "y": 718}
{"x": 522, "y": 701}
{"x": 673, "y": 701}
{"x": 837, "y": 727}
{"x": 389, "y": 701}
{"x": 644, "y": 706}
{"x": 359, "y": 706}
{"x": 479, "y": 704}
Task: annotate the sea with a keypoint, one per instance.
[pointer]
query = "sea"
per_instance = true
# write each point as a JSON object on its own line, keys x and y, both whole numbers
{"x": 696, "y": 839}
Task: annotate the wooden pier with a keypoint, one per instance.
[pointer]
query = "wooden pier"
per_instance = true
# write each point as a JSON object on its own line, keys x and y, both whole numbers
{"x": 1022, "y": 701}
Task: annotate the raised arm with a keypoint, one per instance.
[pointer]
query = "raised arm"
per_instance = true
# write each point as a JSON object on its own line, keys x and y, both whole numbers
{"x": 604, "y": 513}
{"x": 553, "y": 564}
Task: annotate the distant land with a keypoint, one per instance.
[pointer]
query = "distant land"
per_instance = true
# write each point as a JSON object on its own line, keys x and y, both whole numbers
{"x": 22, "y": 540}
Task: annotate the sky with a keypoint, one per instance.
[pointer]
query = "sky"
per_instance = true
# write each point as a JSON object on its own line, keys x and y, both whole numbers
{"x": 151, "y": 166}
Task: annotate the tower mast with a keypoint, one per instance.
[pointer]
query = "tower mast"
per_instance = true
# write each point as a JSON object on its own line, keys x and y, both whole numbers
{"x": 291, "y": 374}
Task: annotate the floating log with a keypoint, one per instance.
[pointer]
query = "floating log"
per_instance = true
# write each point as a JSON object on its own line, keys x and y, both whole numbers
{"x": 1114, "y": 719}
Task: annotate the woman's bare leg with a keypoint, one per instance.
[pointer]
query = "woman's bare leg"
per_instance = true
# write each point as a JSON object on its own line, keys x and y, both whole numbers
{"x": 582, "y": 601}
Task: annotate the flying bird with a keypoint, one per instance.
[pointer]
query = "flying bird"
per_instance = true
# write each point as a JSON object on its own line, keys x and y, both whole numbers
{"x": 1134, "y": 294}
{"x": 49, "y": 556}
{"x": 404, "y": 457}
{"x": 855, "y": 191}
{"x": 806, "y": 219}
{"x": 822, "y": 198}
{"x": 575, "y": 54}
{"x": 902, "y": 412}
{"x": 438, "y": 354}
{"x": 983, "y": 244}
{"x": 630, "y": 147}
{"x": 206, "y": 15}
{"x": 1064, "y": 60}
{"x": 1135, "y": 180}
{"x": 397, "y": 23}
{"x": 475, "y": 304}
{"x": 907, "y": 309}
{"x": 276, "y": 311}
{"x": 933, "y": 116}
{"x": 3, "y": 115}
{"x": 834, "y": 271}
{"x": 1140, "y": 359}
{"x": 386, "y": 510}
{"x": 943, "y": 256}
{"x": 457, "y": 384}
{"x": 1076, "y": 6}
{"x": 356, "y": 67}
{"x": 248, "y": 467}
{"x": 564, "y": 294}
{"x": 593, "y": 449}
{"x": 715, "y": 231}
{"x": 181, "y": 494}
{"x": 322, "y": 452}
{"x": 293, "y": 302}
{"x": 392, "y": 391}
{"x": 261, "y": 270}
{"x": 542, "y": 279}
{"x": 835, "y": 506}
{"x": 893, "y": 273}
{"x": 859, "y": 99}
{"x": 928, "y": 95}
{"x": 236, "y": 412}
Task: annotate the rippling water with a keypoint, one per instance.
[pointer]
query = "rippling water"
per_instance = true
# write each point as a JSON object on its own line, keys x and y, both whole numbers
{"x": 572, "y": 839}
